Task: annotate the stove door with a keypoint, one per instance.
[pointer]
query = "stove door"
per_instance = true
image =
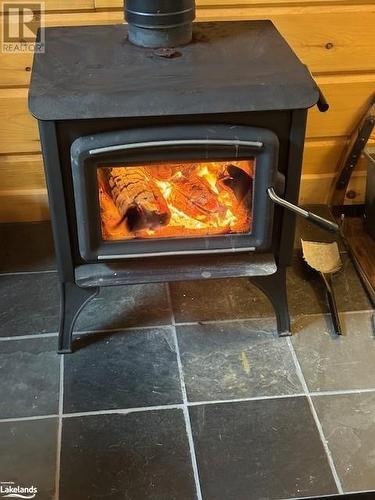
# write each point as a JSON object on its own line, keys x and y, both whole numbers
{"x": 174, "y": 190}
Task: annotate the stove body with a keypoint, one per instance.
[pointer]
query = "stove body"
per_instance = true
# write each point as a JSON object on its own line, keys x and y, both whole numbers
{"x": 226, "y": 113}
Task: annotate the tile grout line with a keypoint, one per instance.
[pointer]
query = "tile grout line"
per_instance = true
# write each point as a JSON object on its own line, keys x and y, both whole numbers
{"x": 22, "y": 273}
{"x": 185, "y": 402}
{"x": 260, "y": 318}
{"x": 244, "y": 400}
{"x": 26, "y": 419}
{"x": 168, "y": 325}
{"x": 122, "y": 411}
{"x": 29, "y": 337}
{"x": 59, "y": 429}
{"x": 314, "y": 497}
{"x": 141, "y": 409}
{"x": 342, "y": 392}
{"x": 316, "y": 418}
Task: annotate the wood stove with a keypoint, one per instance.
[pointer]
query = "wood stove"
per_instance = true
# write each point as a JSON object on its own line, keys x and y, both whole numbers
{"x": 159, "y": 161}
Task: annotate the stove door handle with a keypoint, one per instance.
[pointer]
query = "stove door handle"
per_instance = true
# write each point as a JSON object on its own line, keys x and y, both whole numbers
{"x": 309, "y": 216}
{"x": 322, "y": 103}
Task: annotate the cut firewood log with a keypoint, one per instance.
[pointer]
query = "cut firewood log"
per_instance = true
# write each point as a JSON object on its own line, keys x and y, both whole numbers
{"x": 166, "y": 171}
{"x": 138, "y": 198}
{"x": 193, "y": 196}
{"x": 237, "y": 181}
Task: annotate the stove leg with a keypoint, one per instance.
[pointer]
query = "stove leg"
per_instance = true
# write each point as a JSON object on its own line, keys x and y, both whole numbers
{"x": 72, "y": 300}
{"x": 274, "y": 287}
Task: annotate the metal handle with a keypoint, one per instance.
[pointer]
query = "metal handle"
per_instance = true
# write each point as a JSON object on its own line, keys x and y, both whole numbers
{"x": 313, "y": 218}
{"x": 322, "y": 103}
{"x": 183, "y": 142}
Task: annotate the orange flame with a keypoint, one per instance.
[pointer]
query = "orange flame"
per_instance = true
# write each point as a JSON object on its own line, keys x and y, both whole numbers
{"x": 211, "y": 207}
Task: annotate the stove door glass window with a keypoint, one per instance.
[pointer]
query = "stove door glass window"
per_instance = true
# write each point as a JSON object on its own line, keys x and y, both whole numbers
{"x": 175, "y": 199}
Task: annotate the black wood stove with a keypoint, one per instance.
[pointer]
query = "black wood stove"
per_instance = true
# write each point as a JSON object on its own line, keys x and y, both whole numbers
{"x": 164, "y": 162}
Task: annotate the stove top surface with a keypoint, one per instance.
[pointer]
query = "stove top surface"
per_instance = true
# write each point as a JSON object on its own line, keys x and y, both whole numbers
{"x": 95, "y": 72}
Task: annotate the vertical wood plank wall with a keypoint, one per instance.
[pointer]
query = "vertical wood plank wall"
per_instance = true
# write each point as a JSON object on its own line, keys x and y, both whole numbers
{"x": 335, "y": 38}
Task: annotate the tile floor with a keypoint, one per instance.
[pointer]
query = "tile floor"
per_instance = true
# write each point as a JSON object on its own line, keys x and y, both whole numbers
{"x": 182, "y": 391}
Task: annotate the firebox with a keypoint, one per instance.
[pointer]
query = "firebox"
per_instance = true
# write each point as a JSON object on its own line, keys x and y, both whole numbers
{"x": 164, "y": 159}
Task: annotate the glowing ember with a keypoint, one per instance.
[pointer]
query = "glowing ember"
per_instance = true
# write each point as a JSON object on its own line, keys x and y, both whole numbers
{"x": 175, "y": 200}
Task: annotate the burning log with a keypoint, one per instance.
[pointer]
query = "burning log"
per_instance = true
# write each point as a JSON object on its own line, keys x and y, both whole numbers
{"x": 166, "y": 171}
{"x": 193, "y": 196}
{"x": 238, "y": 182}
{"x": 138, "y": 198}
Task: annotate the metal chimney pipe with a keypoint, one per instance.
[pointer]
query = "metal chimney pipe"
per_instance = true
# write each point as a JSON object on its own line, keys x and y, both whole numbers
{"x": 160, "y": 23}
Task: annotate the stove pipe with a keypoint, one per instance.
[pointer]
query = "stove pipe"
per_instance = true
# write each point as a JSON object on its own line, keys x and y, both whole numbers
{"x": 160, "y": 23}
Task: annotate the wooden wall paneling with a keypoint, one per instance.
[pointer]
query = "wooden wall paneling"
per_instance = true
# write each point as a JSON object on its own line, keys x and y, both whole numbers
{"x": 322, "y": 156}
{"x": 272, "y": 3}
{"x": 20, "y": 172}
{"x": 349, "y": 97}
{"x": 52, "y": 5}
{"x": 23, "y": 193}
{"x": 333, "y": 42}
{"x": 316, "y": 188}
{"x": 18, "y": 129}
{"x": 15, "y": 69}
{"x": 105, "y": 4}
{"x": 25, "y": 205}
{"x": 326, "y": 38}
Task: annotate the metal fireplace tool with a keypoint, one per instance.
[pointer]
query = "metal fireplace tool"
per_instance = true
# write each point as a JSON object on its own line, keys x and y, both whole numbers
{"x": 113, "y": 98}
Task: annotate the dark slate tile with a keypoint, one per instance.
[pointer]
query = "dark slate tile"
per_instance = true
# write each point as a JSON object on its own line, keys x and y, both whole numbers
{"x": 330, "y": 362}
{"x": 29, "y": 304}
{"x": 123, "y": 370}
{"x": 28, "y": 455}
{"x": 350, "y": 293}
{"x": 236, "y": 360}
{"x": 307, "y": 295}
{"x": 259, "y": 449}
{"x": 217, "y": 300}
{"x": 26, "y": 247}
{"x": 126, "y": 306}
{"x": 348, "y": 423}
{"x": 136, "y": 456}
{"x": 29, "y": 377}
{"x": 239, "y": 299}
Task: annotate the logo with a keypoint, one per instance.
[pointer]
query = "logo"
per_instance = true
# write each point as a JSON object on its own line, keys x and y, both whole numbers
{"x": 10, "y": 490}
{"x": 22, "y": 25}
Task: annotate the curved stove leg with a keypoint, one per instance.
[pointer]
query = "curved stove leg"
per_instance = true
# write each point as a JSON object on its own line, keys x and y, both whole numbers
{"x": 274, "y": 287}
{"x": 72, "y": 300}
